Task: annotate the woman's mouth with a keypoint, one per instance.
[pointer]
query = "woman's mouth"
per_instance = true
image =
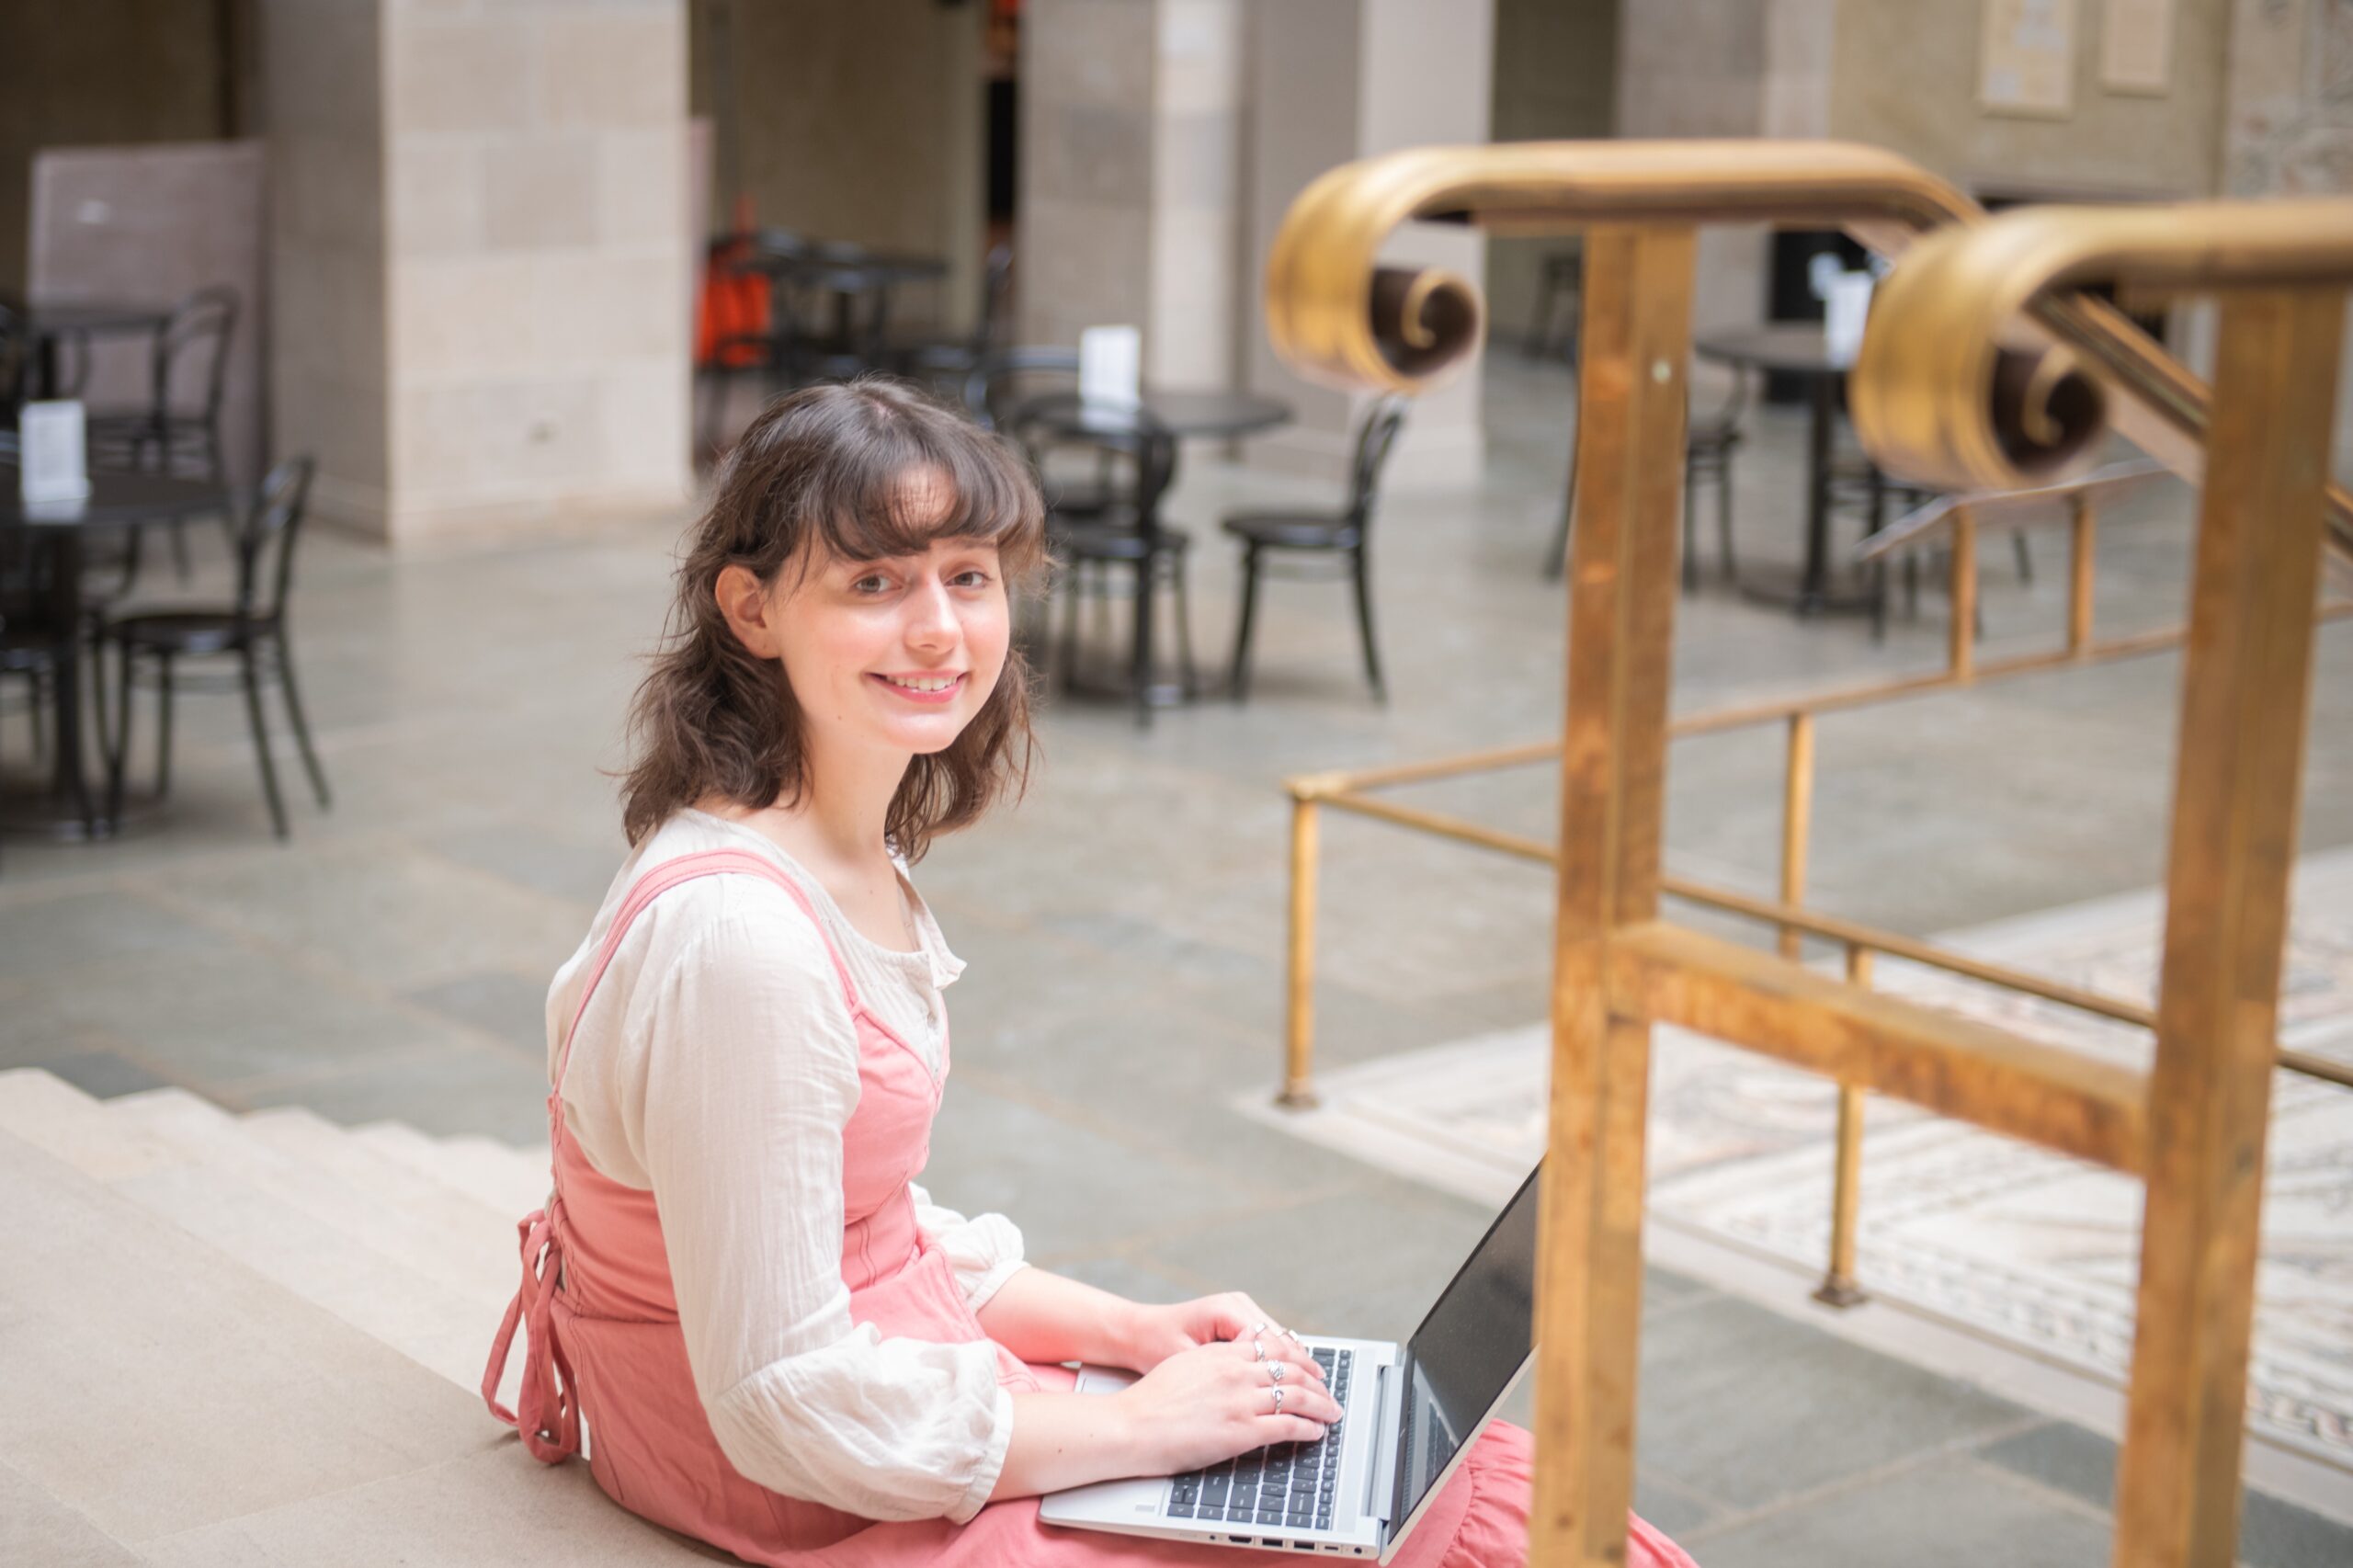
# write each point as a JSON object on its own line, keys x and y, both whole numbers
{"x": 933, "y": 690}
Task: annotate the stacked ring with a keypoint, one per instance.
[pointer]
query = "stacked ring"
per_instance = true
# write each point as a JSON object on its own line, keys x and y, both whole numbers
{"x": 1275, "y": 1373}
{"x": 1258, "y": 1347}
{"x": 1278, "y": 1401}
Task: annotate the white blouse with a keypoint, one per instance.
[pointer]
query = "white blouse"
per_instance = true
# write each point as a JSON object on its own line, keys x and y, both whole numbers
{"x": 716, "y": 1066}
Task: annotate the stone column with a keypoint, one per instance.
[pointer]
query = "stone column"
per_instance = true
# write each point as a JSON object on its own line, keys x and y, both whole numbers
{"x": 482, "y": 259}
{"x": 1131, "y": 209}
{"x": 1336, "y": 80}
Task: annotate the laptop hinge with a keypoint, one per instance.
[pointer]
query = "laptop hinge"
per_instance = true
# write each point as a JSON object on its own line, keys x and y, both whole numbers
{"x": 1381, "y": 1488}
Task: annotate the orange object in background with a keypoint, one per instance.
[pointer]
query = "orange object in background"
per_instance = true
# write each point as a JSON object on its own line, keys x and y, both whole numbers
{"x": 731, "y": 308}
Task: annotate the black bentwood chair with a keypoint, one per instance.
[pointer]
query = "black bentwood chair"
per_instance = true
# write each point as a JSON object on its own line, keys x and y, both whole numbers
{"x": 251, "y": 630}
{"x": 1305, "y": 534}
{"x": 178, "y": 430}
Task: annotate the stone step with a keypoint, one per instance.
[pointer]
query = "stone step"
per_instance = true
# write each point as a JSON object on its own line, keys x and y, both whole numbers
{"x": 511, "y": 1181}
{"x": 66, "y": 1124}
{"x": 425, "y": 1228}
{"x": 156, "y": 1385}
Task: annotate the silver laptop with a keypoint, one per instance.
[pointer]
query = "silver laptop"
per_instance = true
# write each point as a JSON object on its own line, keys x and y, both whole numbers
{"x": 1409, "y": 1416}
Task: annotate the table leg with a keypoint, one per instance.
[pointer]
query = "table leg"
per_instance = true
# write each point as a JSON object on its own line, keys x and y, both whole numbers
{"x": 1814, "y": 586}
{"x": 71, "y": 787}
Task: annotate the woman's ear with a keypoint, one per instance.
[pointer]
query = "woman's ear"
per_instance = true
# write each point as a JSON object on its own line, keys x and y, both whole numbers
{"x": 744, "y": 601}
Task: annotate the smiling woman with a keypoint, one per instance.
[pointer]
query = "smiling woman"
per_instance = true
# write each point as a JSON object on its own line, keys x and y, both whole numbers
{"x": 835, "y": 510}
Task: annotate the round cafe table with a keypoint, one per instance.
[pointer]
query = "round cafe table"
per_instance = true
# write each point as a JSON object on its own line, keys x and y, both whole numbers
{"x": 65, "y": 807}
{"x": 1179, "y": 411}
{"x": 1800, "y": 349}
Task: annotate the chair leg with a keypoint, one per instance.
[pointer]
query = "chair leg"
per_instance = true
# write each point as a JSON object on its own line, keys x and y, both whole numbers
{"x": 1184, "y": 632}
{"x": 1238, "y": 678}
{"x": 1690, "y": 531}
{"x": 1071, "y": 583}
{"x": 249, "y": 668}
{"x": 2024, "y": 556}
{"x": 302, "y": 725}
{"x": 36, "y": 711}
{"x": 1363, "y": 574}
{"x": 119, "y": 748}
{"x": 1723, "y": 520}
{"x": 163, "y": 725}
{"x": 1140, "y": 674}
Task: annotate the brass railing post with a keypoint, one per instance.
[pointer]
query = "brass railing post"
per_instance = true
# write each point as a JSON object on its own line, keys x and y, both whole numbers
{"x": 1299, "y": 978}
{"x": 2082, "y": 557}
{"x": 1963, "y": 634}
{"x": 2245, "y": 683}
{"x": 1636, "y": 339}
{"x": 1797, "y": 816}
{"x": 1838, "y": 1287}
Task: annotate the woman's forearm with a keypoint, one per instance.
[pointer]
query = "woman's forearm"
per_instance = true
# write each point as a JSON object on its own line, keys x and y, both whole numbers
{"x": 1043, "y": 1317}
{"x": 1066, "y": 1439}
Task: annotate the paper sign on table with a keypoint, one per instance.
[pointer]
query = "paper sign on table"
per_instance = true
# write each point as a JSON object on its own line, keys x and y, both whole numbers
{"x": 1110, "y": 365}
{"x": 1845, "y": 309}
{"x": 50, "y": 463}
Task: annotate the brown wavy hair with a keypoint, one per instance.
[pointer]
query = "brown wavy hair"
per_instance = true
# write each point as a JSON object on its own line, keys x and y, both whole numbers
{"x": 824, "y": 473}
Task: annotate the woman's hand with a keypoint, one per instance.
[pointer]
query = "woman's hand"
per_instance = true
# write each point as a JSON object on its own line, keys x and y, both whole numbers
{"x": 1212, "y": 1401}
{"x": 1155, "y": 1333}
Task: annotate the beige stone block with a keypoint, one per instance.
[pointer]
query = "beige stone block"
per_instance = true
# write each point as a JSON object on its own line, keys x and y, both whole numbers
{"x": 477, "y": 74}
{"x": 437, "y": 202}
{"x": 1085, "y": 259}
{"x": 614, "y": 66}
{"x": 1200, "y": 67}
{"x": 462, "y": 315}
{"x": 339, "y": 420}
{"x": 328, "y": 189}
{"x": 1091, "y": 152}
{"x": 540, "y": 192}
{"x": 321, "y": 62}
{"x": 1093, "y": 52}
{"x": 1197, "y": 161}
{"x": 327, "y": 309}
{"x": 641, "y": 190}
{"x": 63, "y": 1122}
{"x": 36, "y": 1529}
{"x": 492, "y": 440}
{"x": 645, "y": 413}
{"x": 501, "y": 1507}
{"x": 594, "y": 309}
{"x": 156, "y": 1386}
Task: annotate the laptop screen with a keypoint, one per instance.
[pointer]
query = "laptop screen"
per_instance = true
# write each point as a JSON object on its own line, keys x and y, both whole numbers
{"x": 1468, "y": 1350}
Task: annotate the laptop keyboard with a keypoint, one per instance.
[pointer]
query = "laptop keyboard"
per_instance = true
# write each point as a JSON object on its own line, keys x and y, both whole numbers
{"x": 1290, "y": 1484}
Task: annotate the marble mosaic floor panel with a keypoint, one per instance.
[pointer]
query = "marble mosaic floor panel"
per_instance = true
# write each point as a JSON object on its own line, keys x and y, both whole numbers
{"x": 2030, "y": 1249}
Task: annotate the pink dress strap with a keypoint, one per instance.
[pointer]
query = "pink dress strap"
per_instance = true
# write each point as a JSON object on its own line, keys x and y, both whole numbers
{"x": 547, "y": 1413}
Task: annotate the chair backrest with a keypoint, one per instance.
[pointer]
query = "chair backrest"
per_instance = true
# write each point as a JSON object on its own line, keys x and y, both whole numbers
{"x": 1052, "y": 421}
{"x": 266, "y": 538}
{"x": 192, "y": 354}
{"x": 1375, "y": 437}
{"x": 1005, "y": 379}
{"x": 996, "y": 294}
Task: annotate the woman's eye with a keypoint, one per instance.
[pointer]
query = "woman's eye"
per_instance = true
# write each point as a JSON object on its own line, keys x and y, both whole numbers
{"x": 975, "y": 578}
{"x": 871, "y": 584}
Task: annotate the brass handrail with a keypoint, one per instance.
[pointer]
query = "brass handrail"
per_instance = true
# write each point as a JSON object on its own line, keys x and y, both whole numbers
{"x": 1338, "y": 315}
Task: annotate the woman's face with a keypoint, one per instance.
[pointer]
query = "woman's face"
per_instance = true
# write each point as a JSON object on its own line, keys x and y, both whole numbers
{"x": 896, "y": 654}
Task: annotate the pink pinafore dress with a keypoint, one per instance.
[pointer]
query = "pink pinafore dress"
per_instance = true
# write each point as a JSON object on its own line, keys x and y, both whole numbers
{"x": 604, "y": 1344}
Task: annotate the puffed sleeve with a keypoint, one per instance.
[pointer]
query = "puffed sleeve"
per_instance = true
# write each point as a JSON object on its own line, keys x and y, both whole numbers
{"x": 985, "y": 1251}
{"x": 750, "y": 1077}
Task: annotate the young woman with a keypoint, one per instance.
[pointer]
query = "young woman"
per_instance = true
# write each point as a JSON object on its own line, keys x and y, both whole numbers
{"x": 779, "y": 1344}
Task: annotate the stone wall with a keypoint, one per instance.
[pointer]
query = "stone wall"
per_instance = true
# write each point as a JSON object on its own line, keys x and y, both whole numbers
{"x": 1903, "y": 75}
{"x": 861, "y": 123}
{"x": 1555, "y": 78}
{"x": 97, "y": 73}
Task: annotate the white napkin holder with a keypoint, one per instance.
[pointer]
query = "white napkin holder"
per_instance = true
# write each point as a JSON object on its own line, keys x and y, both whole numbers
{"x": 51, "y": 462}
{"x": 1845, "y": 308}
{"x": 1110, "y": 367}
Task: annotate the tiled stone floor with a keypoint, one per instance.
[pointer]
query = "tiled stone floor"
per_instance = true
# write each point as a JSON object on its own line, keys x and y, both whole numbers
{"x": 1124, "y": 928}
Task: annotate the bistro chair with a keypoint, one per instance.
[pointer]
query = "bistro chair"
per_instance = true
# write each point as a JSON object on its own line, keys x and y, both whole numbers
{"x": 178, "y": 430}
{"x": 1301, "y": 537}
{"x": 947, "y": 361}
{"x": 251, "y": 630}
{"x": 1123, "y": 535}
{"x": 1002, "y": 383}
{"x": 1711, "y": 437}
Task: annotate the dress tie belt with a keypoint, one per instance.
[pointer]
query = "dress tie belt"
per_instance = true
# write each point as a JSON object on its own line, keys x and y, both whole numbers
{"x": 549, "y": 1417}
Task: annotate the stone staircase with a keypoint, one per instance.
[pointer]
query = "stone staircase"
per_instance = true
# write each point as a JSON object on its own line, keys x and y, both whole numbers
{"x": 249, "y": 1341}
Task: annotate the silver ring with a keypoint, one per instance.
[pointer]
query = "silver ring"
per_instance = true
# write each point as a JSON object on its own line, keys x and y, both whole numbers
{"x": 1259, "y": 1346}
{"x": 1275, "y": 1373}
{"x": 1279, "y": 1402}
{"x": 1256, "y": 1329}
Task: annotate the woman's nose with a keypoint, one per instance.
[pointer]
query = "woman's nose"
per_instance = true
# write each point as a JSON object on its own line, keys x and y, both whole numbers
{"x": 931, "y": 616}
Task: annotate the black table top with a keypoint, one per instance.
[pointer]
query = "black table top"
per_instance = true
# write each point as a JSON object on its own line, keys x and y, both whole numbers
{"x": 1179, "y": 410}
{"x": 1798, "y": 347}
{"x": 57, "y": 316}
{"x": 847, "y": 269}
{"x": 116, "y": 500}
